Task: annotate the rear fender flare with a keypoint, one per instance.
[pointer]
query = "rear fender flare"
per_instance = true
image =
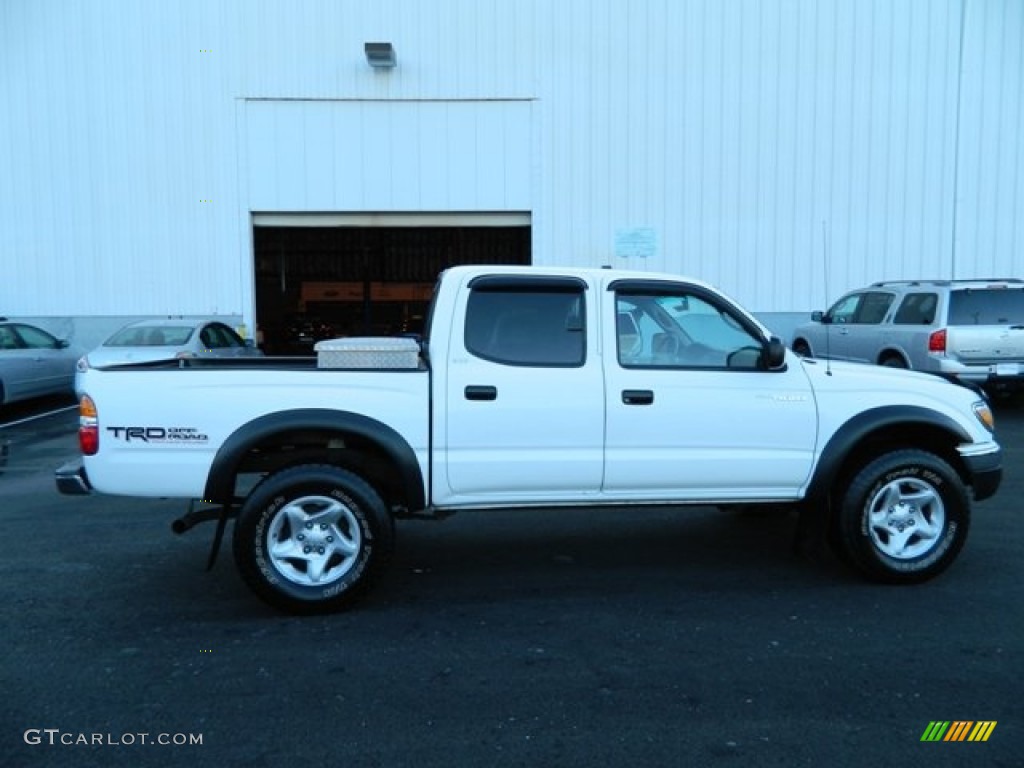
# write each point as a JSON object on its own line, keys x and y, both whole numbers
{"x": 220, "y": 483}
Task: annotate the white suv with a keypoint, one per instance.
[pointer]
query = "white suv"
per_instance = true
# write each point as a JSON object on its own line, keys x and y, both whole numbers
{"x": 969, "y": 330}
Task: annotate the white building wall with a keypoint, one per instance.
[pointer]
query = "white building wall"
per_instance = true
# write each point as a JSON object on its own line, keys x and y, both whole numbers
{"x": 386, "y": 155}
{"x": 740, "y": 131}
{"x": 989, "y": 238}
{"x": 738, "y": 134}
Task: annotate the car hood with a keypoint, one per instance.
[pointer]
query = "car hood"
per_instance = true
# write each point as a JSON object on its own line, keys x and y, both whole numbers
{"x": 877, "y": 385}
{"x": 866, "y": 375}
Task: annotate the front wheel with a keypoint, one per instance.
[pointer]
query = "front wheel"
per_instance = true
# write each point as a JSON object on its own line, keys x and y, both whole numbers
{"x": 311, "y": 539}
{"x": 904, "y": 517}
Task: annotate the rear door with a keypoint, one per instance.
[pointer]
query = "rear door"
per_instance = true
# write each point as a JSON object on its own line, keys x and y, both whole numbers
{"x": 524, "y": 417}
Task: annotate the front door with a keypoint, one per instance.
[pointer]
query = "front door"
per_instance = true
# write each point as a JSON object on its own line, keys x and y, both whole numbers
{"x": 691, "y": 409}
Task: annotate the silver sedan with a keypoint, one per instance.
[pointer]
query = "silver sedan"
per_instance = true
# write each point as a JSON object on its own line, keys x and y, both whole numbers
{"x": 151, "y": 340}
{"x": 34, "y": 363}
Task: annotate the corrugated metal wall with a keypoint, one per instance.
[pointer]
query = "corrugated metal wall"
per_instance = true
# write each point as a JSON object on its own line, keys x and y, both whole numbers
{"x": 732, "y": 132}
{"x": 989, "y": 237}
{"x": 739, "y": 131}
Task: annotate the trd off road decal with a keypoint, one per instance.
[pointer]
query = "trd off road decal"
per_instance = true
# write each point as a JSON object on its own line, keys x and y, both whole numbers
{"x": 162, "y": 435}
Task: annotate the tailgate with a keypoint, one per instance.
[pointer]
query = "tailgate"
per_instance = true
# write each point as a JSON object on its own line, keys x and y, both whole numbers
{"x": 986, "y": 325}
{"x": 986, "y": 344}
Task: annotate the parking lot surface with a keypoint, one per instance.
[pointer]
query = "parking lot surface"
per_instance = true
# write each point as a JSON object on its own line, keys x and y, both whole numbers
{"x": 536, "y": 638}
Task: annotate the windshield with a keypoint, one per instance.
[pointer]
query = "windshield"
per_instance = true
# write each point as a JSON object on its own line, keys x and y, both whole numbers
{"x": 151, "y": 336}
{"x": 987, "y": 306}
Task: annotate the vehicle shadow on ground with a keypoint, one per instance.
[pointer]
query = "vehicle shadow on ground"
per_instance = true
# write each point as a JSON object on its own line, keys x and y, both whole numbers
{"x": 561, "y": 554}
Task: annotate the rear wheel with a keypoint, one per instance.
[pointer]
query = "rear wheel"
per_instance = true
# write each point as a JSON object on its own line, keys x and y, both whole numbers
{"x": 904, "y": 517}
{"x": 312, "y": 538}
{"x": 893, "y": 361}
{"x": 802, "y": 348}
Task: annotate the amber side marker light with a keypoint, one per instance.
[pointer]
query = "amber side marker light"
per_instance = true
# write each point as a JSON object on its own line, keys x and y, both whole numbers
{"x": 984, "y": 414}
{"x": 88, "y": 426}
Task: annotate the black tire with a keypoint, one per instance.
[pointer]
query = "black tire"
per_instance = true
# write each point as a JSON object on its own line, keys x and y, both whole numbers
{"x": 332, "y": 532}
{"x": 893, "y": 361}
{"x": 904, "y": 518}
{"x": 802, "y": 348}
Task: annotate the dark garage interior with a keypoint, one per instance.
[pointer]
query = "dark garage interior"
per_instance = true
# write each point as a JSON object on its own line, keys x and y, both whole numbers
{"x": 317, "y": 282}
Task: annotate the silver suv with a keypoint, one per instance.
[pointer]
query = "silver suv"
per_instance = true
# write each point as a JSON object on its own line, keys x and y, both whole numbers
{"x": 970, "y": 330}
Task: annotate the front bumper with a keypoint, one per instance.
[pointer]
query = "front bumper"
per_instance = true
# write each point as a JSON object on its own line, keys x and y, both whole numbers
{"x": 985, "y": 472}
{"x": 71, "y": 479}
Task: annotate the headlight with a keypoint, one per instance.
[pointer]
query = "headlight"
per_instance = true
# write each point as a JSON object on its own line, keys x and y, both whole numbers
{"x": 984, "y": 414}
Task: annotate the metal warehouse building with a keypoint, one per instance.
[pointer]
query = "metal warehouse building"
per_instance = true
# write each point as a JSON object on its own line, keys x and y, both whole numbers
{"x": 267, "y": 160}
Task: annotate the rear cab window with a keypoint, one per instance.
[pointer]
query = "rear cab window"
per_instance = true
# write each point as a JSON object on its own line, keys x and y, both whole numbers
{"x": 527, "y": 321}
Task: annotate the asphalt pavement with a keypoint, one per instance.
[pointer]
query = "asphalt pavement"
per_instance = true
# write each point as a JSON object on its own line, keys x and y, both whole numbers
{"x": 527, "y": 638}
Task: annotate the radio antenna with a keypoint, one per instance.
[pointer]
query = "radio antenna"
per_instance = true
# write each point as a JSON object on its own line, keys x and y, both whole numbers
{"x": 828, "y": 329}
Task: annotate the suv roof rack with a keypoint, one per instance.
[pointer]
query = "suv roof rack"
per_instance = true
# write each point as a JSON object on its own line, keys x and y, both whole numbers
{"x": 959, "y": 281}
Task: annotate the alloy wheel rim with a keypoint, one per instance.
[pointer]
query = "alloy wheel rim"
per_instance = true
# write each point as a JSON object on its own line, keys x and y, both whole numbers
{"x": 906, "y": 518}
{"x": 313, "y": 541}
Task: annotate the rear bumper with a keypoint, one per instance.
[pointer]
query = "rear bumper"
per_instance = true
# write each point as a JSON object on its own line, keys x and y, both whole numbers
{"x": 1008, "y": 376}
{"x": 71, "y": 479}
{"x": 986, "y": 472}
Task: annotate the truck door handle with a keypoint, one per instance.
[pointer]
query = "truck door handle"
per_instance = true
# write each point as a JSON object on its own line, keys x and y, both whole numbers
{"x": 481, "y": 393}
{"x": 637, "y": 396}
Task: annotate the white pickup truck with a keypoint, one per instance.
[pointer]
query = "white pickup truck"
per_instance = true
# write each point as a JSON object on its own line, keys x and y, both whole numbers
{"x": 538, "y": 387}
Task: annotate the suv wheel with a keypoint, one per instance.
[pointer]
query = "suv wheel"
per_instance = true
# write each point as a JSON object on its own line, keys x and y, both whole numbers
{"x": 893, "y": 361}
{"x": 802, "y": 348}
{"x": 904, "y": 517}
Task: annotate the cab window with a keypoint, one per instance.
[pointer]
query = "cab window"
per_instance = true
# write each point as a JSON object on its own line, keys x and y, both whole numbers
{"x": 682, "y": 330}
{"x": 527, "y": 322}
{"x": 873, "y": 308}
{"x": 916, "y": 309}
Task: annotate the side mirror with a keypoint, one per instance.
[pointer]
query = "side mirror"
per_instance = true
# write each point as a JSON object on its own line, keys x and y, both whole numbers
{"x": 63, "y": 343}
{"x": 774, "y": 354}
{"x": 817, "y": 316}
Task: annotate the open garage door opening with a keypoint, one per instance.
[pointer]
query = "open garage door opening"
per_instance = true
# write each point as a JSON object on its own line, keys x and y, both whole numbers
{"x": 327, "y": 276}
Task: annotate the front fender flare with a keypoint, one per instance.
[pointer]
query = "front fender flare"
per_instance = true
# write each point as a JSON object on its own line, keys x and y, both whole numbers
{"x": 849, "y": 436}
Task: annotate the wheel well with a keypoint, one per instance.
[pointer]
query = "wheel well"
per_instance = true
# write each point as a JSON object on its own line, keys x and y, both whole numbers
{"x": 801, "y": 343}
{"x": 917, "y": 436}
{"x": 892, "y": 354}
{"x": 347, "y": 450}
